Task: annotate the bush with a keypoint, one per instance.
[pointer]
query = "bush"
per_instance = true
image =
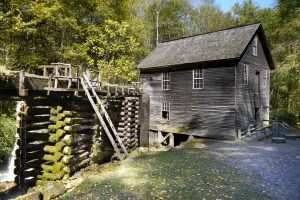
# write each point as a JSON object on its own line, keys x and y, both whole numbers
{"x": 7, "y": 137}
{"x": 283, "y": 115}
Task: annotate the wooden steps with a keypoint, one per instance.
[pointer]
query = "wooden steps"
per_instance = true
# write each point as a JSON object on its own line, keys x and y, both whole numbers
{"x": 103, "y": 117}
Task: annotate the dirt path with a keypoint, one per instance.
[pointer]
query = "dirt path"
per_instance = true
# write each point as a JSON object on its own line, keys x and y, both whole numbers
{"x": 275, "y": 167}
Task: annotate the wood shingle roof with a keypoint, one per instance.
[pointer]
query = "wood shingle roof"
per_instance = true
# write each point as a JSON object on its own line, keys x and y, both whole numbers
{"x": 216, "y": 46}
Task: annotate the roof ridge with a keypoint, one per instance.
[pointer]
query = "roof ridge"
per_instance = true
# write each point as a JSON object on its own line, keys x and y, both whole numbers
{"x": 206, "y": 33}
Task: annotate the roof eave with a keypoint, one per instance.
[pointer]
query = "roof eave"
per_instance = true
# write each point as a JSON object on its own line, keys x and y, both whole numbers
{"x": 265, "y": 46}
{"x": 188, "y": 66}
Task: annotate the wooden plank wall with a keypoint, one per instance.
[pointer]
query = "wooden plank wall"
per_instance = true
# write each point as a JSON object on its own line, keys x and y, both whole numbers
{"x": 245, "y": 97}
{"x": 208, "y": 112}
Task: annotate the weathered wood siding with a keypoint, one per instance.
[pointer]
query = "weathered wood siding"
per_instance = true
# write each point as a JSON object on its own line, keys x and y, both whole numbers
{"x": 208, "y": 112}
{"x": 245, "y": 94}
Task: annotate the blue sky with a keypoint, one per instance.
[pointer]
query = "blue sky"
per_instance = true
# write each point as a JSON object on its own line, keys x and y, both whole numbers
{"x": 225, "y": 5}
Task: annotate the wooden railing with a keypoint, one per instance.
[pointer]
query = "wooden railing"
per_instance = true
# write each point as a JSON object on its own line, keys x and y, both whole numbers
{"x": 72, "y": 74}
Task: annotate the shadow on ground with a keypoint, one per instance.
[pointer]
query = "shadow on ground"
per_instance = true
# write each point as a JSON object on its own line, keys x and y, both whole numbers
{"x": 181, "y": 173}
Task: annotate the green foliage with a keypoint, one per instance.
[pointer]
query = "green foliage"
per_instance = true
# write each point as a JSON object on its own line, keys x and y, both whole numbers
{"x": 283, "y": 115}
{"x": 7, "y": 135}
{"x": 174, "y": 19}
{"x": 111, "y": 49}
{"x": 282, "y": 27}
{"x": 7, "y": 108}
{"x": 288, "y": 8}
{"x": 209, "y": 17}
{"x": 245, "y": 12}
{"x": 286, "y": 85}
{"x": 178, "y": 18}
{"x": 46, "y": 31}
{"x": 114, "y": 35}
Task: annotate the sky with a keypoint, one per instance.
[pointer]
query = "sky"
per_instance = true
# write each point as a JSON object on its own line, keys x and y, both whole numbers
{"x": 225, "y": 5}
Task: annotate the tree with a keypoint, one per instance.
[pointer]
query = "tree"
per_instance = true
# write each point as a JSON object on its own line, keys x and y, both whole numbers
{"x": 286, "y": 51}
{"x": 174, "y": 20}
{"x": 209, "y": 17}
{"x": 45, "y": 31}
{"x": 246, "y": 12}
{"x": 111, "y": 49}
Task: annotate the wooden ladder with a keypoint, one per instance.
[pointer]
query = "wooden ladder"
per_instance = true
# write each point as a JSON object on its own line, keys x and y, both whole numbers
{"x": 103, "y": 117}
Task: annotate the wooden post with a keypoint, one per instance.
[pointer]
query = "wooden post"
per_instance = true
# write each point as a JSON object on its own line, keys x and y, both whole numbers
{"x": 77, "y": 76}
{"x": 45, "y": 71}
{"x": 122, "y": 90}
{"x": 159, "y": 137}
{"x": 116, "y": 90}
{"x": 56, "y": 72}
{"x": 108, "y": 92}
{"x": 69, "y": 70}
{"x": 274, "y": 129}
{"x": 99, "y": 81}
{"x": 248, "y": 130}
{"x": 171, "y": 140}
{"x": 22, "y": 90}
{"x": 239, "y": 134}
{"x": 144, "y": 118}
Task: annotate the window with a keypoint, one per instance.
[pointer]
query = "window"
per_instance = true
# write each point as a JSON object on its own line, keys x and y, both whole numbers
{"x": 165, "y": 110}
{"x": 254, "y": 50}
{"x": 246, "y": 73}
{"x": 165, "y": 81}
{"x": 265, "y": 78}
{"x": 198, "y": 81}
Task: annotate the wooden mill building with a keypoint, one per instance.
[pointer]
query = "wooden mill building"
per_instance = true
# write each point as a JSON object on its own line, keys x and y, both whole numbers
{"x": 212, "y": 85}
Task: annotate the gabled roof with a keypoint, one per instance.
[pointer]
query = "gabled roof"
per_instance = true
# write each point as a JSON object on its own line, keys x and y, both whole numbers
{"x": 212, "y": 47}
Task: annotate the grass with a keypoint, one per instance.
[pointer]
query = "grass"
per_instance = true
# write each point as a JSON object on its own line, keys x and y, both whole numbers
{"x": 176, "y": 174}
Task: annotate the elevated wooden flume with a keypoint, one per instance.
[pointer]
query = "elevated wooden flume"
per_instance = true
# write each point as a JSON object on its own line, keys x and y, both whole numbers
{"x": 61, "y": 77}
{"x": 64, "y": 115}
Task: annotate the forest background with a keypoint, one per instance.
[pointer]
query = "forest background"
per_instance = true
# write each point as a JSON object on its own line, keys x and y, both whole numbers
{"x": 115, "y": 35}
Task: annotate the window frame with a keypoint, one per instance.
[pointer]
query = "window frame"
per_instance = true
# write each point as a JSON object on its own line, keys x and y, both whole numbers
{"x": 165, "y": 107}
{"x": 245, "y": 74}
{"x": 254, "y": 46}
{"x": 200, "y": 78}
{"x": 165, "y": 83}
{"x": 265, "y": 78}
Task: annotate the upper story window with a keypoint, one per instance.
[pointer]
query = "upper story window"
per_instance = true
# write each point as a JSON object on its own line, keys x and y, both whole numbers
{"x": 254, "y": 47}
{"x": 165, "y": 84}
{"x": 198, "y": 81}
{"x": 245, "y": 73}
{"x": 265, "y": 78}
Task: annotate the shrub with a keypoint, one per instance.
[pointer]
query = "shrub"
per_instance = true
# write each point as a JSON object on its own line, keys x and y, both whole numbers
{"x": 7, "y": 137}
{"x": 283, "y": 115}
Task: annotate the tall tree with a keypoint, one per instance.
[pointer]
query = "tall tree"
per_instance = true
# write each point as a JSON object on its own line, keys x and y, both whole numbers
{"x": 111, "y": 49}
{"x": 246, "y": 12}
{"x": 209, "y": 17}
{"x": 173, "y": 18}
{"x": 45, "y": 31}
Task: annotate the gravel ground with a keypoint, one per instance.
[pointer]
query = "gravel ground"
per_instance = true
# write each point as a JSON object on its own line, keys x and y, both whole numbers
{"x": 274, "y": 167}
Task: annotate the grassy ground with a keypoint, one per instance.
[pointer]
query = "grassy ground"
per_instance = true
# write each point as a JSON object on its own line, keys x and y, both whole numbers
{"x": 176, "y": 174}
